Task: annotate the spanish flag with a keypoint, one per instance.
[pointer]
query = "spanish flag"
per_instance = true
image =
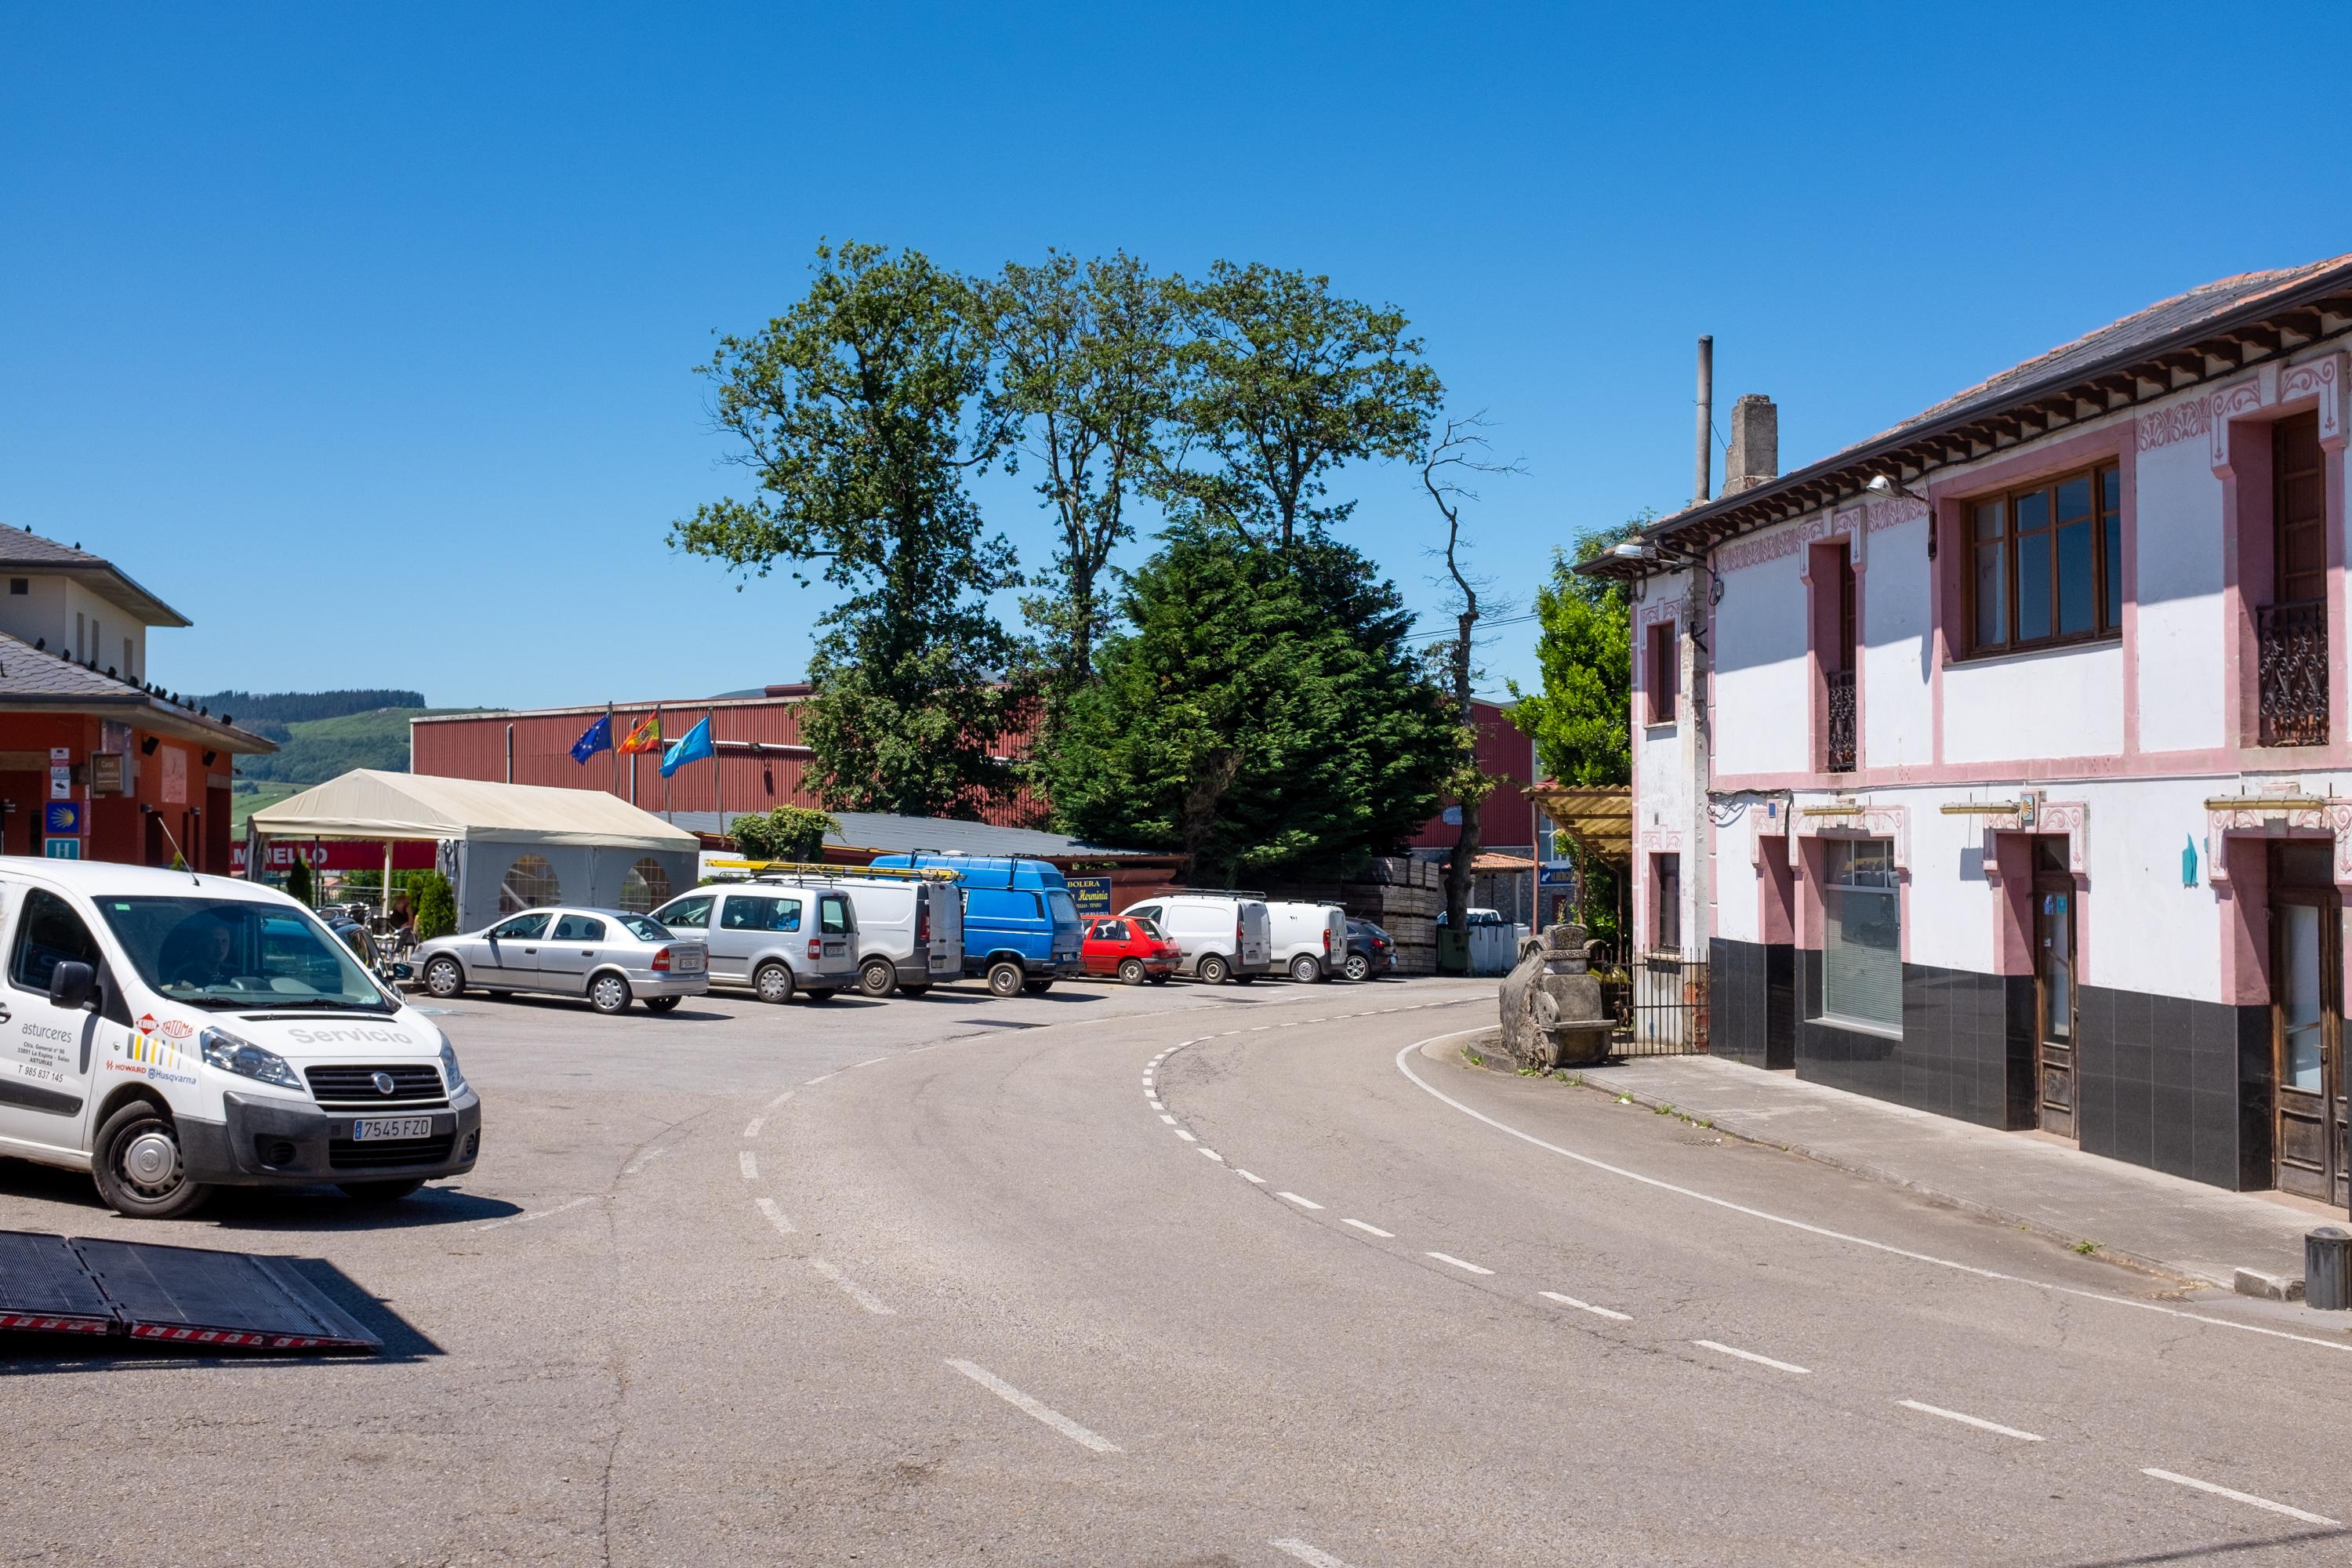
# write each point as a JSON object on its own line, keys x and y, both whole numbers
{"x": 645, "y": 737}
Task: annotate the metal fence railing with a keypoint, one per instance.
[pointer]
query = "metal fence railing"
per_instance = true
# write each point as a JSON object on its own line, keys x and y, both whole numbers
{"x": 1661, "y": 1005}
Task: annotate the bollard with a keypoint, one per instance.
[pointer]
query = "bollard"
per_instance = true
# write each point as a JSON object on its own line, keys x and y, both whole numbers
{"x": 2327, "y": 1269}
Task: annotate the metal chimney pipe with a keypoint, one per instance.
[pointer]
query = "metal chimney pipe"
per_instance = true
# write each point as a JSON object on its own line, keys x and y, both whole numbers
{"x": 1704, "y": 462}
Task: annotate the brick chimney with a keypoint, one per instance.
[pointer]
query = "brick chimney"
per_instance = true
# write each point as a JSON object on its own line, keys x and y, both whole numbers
{"x": 1755, "y": 455}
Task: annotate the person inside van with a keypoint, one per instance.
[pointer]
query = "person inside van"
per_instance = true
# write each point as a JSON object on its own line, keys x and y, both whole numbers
{"x": 201, "y": 946}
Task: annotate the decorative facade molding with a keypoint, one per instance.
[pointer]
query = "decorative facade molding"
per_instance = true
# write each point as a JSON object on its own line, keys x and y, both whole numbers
{"x": 1822, "y": 526}
{"x": 2071, "y": 817}
{"x": 1662, "y": 841}
{"x": 1881, "y": 514}
{"x": 2179, "y": 421}
{"x": 1868, "y": 821}
{"x": 2322, "y": 378}
{"x": 2238, "y": 397}
{"x": 1756, "y": 551}
{"x": 2273, "y": 820}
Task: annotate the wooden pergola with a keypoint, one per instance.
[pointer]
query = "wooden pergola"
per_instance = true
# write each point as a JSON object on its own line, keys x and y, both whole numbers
{"x": 1598, "y": 819}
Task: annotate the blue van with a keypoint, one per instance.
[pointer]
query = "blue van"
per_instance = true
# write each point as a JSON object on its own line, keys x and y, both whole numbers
{"x": 1020, "y": 927}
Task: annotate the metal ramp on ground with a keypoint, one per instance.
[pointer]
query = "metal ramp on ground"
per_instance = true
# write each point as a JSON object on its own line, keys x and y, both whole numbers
{"x": 185, "y": 1297}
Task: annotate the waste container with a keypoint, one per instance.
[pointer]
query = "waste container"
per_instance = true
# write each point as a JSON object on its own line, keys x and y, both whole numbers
{"x": 1453, "y": 951}
{"x": 2327, "y": 1269}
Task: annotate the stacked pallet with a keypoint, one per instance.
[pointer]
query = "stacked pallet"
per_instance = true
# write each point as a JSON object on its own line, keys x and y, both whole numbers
{"x": 1403, "y": 897}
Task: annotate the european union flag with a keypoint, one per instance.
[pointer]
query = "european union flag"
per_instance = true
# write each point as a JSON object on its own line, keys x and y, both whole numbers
{"x": 690, "y": 747}
{"x": 598, "y": 737}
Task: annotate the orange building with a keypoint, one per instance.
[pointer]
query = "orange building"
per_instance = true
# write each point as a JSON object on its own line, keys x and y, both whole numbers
{"x": 96, "y": 762}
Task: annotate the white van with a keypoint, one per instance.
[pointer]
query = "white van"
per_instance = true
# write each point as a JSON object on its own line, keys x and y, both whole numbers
{"x": 170, "y": 1034}
{"x": 1224, "y": 935}
{"x": 1310, "y": 941}
{"x": 910, "y": 929}
{"x": 775, "y": 938}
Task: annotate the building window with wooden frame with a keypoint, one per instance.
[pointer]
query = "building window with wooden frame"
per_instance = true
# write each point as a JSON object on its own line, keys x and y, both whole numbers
{"x": 2045, "y": 563}
{"x": 1664, "y": 673}
{"x": 1665, "y": 903}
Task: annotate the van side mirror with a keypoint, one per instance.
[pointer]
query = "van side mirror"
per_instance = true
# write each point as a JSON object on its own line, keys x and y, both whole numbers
{"x": 72, "y": 983}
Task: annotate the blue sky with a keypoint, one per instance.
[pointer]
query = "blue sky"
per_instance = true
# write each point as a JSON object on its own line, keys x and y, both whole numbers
{"x": 366, "y": 337}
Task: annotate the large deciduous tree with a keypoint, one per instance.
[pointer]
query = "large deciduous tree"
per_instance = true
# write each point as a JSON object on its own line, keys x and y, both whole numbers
{"x": 860, "y": 412}
{"x": 1281, "y": 383}
{"x": 1084, "y": 366}
{"x": 1262, "y": 715}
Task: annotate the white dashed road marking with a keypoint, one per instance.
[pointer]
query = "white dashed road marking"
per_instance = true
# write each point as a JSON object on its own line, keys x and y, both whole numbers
{"x": 777, "y": 1104}
{"x": 1245, "y": 1176}
{"x": 775, "y": 1215}
{"x": 1307, "y": 1554}
{"x": 1751, "y": 1355}
{"x": 751, "y": 1165}
{"x": 540, "y": 1213}
{"x": 1168, "y": 1118}
{"x": 851, "y": 1289}
{"x": 1585, "y": 1306}
{"x": 1186, "y": 1136}
{"x": 1302, "y": 1202}
{"x": 1458, "y": 1263}
{"x": 751, "y": 1128}
{"x": 1977, "y": 1422}
{"x": 1213, "y": 1154}
{"x": 1022, "y": 1403}
{"x": 1370, "y": 1229}
{"x": 2236, "y": 1496}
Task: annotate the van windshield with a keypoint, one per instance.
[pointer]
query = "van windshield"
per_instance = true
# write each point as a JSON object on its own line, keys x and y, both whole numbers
{"x": 234, "y": 954}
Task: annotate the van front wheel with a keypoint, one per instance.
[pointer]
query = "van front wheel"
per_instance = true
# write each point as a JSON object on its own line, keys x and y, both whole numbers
{"x": 773, "y": 982}
{"x": 138, "y": 1165}
{"x": 1005, "y": 979}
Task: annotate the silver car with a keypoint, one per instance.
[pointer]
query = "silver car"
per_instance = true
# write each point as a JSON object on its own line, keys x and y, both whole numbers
{"x": 605, "y": 956}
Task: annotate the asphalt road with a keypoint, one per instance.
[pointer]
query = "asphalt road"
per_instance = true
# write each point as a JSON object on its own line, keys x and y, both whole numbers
{"x": 1162, "y": 1276}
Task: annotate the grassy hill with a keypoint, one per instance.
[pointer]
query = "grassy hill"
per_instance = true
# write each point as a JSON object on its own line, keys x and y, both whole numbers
{"x": 312, "y": 750}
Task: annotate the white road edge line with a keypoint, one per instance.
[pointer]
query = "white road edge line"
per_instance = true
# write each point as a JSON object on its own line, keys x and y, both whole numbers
{"x": 1302, "y": 1202}
{"x": 537, "y": 1214}
{"x": 1370, "y": 1229}
{"x": 1305, "y": 1554}
{"x": 1977, "y": 1422}
{"x": 751, "y": 1165}
{"x": 2236, "y": 1496}
{"x": 851, "y": 1289}
{"x": 1887, "y": 1248}
{"x": 818, "y": 1079}
{"x": 1458, "y": 1263}
{"x": 780, "y": 1100}
{"x": 1751, "y": 1355}
{"x": 1586, "y": 1307}
{"x": 1022, "y": 1403}
{"x": 1168, "y": 1118}
{"x": 775, "y": 1215}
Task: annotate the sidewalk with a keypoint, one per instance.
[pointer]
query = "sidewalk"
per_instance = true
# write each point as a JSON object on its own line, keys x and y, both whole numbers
{"x": 2139, "y": 1217}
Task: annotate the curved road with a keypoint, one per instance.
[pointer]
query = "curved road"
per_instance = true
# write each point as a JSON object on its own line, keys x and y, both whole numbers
{"x": 1180, "y": 1276}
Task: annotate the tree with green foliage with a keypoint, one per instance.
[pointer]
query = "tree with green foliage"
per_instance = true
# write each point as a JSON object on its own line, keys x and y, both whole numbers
{"x": 1262, "y": 716}
{"x": 860, "y": 412}
{"x": 1085, "y": 358}
{"x": 787, "y": 832}
{"x": 436, "y": 907}
{"x": 1282, "y": 381}
{"x": 1581, "y": 720}
{"x": 298, "y": 881}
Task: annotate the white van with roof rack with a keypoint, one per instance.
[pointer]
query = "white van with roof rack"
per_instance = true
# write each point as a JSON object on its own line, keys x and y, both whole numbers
{"x": 171, "y": 1033}
{"x": 910, "y": 922}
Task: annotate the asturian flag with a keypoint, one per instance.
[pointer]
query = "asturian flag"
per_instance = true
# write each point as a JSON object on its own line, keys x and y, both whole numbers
{"x": 597, "y": 738}
{"x": 691, "y": 747}
{"x": 645, "y": 737}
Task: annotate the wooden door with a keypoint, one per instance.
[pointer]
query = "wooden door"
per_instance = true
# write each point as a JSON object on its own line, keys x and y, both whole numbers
{"x": 2306, "y": 1035}
{"x": 2054, "y": 1002}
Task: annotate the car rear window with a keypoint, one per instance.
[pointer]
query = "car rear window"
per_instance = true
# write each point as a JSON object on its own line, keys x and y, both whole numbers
{"x": 833, "y": 915}
{"x": 646, "y": 930}
{"x": 1066, "y": 910}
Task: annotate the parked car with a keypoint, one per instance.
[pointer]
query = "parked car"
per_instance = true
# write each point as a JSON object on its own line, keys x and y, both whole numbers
{"x": 171, "y": 1033}
{"x": 1309, "y": 941}
{"x": 1021, "y": 928}
{"x": 609, "y": 956}
{"x": 1224, "y": 935}
{"x": 777, "y": 940}
{"x": 1371, "y": 952}
{"x": 910, "y": 929}
{"x": 1478, "y": 918}
{"x": 1132, "y": 948}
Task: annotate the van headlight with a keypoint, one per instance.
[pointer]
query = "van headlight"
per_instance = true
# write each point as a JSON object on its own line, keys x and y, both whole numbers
{"x": 449, "y": 1073}
{"x": 242, "y": 1057}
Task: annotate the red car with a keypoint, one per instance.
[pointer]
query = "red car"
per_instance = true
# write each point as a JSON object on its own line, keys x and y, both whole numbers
{"x": 1131, "y": 948}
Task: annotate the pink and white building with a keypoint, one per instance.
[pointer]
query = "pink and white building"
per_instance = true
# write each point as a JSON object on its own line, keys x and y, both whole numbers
{"x": 2001, "y": 765}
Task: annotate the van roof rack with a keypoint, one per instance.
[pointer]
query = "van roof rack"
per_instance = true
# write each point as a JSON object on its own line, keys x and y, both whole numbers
{"x": 1223, "y": 892}
{"x": 783, "y": 869}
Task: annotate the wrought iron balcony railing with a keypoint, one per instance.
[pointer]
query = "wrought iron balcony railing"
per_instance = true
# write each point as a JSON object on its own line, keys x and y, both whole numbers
{"x": 2294, "y": 684}
{"x": 1840, "y": 759}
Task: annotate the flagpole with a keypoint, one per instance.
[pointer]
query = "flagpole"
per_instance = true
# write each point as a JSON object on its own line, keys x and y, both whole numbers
{"x": 668, "y": 815}
{"x": 717, "y": 773}
{"x": 616, "y": 748}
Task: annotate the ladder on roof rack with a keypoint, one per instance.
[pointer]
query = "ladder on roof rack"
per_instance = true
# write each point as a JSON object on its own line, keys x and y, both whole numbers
{"x": 807, "y": 868}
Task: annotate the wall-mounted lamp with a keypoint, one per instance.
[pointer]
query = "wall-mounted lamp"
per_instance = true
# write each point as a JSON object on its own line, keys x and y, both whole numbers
{"x": 147, "y": 747}
{"x": 1881, "y": 488}
{"x": 210, "y": 757}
